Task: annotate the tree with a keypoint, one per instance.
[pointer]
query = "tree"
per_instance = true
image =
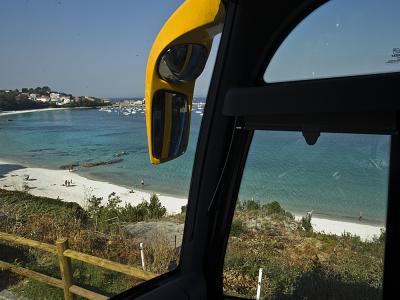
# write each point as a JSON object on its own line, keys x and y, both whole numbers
{"x": 156, "y": 210}
{"x": 46, "y": 90}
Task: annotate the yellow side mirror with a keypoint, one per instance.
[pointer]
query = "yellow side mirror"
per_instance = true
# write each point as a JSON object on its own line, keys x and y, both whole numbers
{"x": 177, "y": 58}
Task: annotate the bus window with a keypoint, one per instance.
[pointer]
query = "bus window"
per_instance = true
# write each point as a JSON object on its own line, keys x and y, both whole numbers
{"x": 74, "y": 166}
{"x": 310, "y": 220}
{"x": 341, "y": 38}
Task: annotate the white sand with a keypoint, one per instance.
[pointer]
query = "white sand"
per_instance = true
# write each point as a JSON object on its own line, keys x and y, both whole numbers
{"x": 364, "y": 231}
{"x": 49, "y": 183}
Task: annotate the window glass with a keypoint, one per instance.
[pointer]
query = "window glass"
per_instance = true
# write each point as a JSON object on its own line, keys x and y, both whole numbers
{"x": 74, "y": 161}
{"x": 341, "y": 38}
{"x": 311, "y": 217}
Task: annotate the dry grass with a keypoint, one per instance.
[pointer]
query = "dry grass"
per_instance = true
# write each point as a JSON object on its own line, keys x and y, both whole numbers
{"x": 42, "y": 220}
{"x": 296, "y": 263}
{"x": 159, "y": 252}
{"x": 300, "y": 264}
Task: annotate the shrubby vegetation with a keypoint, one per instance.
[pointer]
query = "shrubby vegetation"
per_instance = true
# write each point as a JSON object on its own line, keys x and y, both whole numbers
{"x": 305, "y": 223}
{"x": 12, "y": 100}
{"x": 237, "y": 227}
{"x": 19, "y": 100}
{"x": 298, "y": 263}
{"x": 98, "y": 230}
{"x": 103, "y": 217}
{"x": 248, "y": 205}
{"x": 273, "y": 208}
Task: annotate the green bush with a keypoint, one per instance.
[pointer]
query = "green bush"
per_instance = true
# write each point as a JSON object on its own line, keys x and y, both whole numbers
{"x": 305, "y": 223}
{"x": 250, "y": 205}
{"x": 156, "y": 210}
{"x": 103, "y": 217}
{"x": 274, "y": 208}
{"x": 237, "y": 227}
{"x": 24, "y": 205}
{"x": 183, "y": 209}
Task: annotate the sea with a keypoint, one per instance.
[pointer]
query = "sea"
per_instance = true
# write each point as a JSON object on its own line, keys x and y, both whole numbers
{"x": 342, "y": 176}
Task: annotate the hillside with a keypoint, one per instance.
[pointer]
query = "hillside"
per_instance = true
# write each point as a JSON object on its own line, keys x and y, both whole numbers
{"x": 297, "y": 262}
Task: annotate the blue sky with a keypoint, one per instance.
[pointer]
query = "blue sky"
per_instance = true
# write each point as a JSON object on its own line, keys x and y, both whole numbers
{"x": 341, "y": 38}
{"x": 100, "y": 48}
{"x": 86, "y": 47}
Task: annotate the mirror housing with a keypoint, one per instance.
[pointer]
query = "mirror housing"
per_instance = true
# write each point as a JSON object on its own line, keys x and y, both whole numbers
{"x": 177, "y": 58}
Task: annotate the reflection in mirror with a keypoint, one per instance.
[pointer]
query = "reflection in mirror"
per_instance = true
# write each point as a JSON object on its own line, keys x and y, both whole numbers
{"x": 182, "y": 63}
{"x": 170, "y": 125}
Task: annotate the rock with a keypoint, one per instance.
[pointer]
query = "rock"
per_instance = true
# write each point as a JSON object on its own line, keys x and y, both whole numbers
{"x": 101, "y": 163}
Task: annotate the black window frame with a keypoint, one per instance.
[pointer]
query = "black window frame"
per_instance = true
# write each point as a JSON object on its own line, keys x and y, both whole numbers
{"x": 253, "y": 31}
{"x": 367, "y": 104}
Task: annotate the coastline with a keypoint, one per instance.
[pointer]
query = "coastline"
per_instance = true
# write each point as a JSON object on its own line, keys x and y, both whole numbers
{"x": 49, "y": 183}
{"x": 17, "y": 112}
{"x": 339, "y": 227}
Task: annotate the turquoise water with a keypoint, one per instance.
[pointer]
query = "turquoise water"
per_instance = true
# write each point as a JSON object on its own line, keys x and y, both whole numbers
{"x": 340, "y": 176}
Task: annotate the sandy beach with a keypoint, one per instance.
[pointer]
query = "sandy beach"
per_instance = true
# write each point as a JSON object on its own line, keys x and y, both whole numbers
{"x": 49, "y": 183}
{"x": 364, "y": 231}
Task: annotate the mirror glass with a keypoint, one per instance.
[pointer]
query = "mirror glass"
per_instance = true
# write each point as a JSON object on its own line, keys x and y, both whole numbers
{"x": 170, "y": 125}
{"x": 182, "y": 63}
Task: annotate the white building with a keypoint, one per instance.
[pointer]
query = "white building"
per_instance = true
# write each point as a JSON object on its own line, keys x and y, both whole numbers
{"x": 54, "y": 97}
{"x": 65, "y": 99}
{"x": 43, "y": 98}
{"x": 32, "y": 97}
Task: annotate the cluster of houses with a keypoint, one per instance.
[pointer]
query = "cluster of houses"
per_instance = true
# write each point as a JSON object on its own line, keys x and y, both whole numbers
{"x": 57, "y": 98}
{"x": 45, "y": 95}
{"x": 131, "y": 102}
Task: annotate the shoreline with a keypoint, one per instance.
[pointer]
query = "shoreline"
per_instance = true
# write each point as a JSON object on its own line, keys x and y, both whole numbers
{"x": 339, "y": 227}
{"x": 26, "y": 165}
{"x": 48, "y": 183}
{"x": 18, "y": 112}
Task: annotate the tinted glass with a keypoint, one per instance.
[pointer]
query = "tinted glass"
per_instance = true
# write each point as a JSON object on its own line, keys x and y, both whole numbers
{"x": 170, "y": 124}
{"x": 180, "y": 125}
{"x": 158, "y": 123}
{"x": 341, "y": 38}
{"x": 183, "y": 63}
{"x": 311, "y": 218}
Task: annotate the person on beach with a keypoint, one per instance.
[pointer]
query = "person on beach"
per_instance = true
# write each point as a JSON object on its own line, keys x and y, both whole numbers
{"x": 66, "y": 182}
{"x": 142, "y": 182}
